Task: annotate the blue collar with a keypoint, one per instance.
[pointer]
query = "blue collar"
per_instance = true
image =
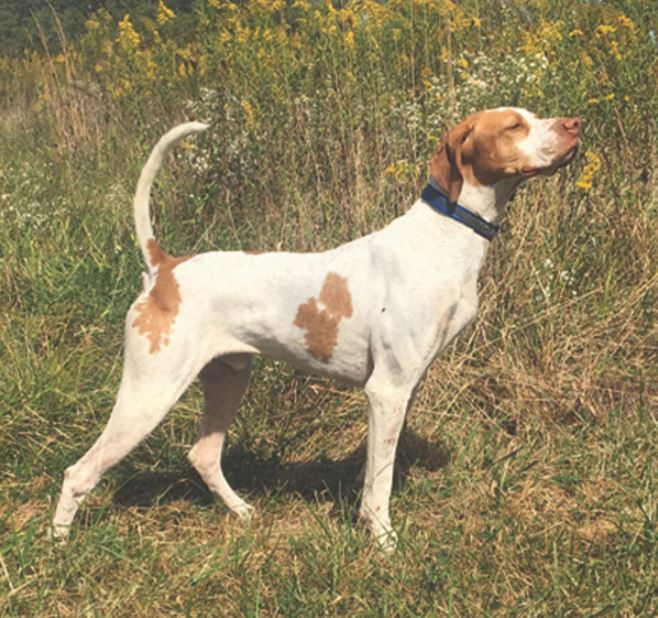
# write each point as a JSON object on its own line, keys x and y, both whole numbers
{"x": 439, "y": 202}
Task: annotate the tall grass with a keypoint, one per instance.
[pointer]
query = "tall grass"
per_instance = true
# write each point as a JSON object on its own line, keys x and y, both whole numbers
{"x": 527, "y": 476}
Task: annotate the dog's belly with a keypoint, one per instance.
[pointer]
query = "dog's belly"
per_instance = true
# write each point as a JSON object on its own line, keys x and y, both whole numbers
{"x": 348, "y": 362}
{"x": 322, "y": 345}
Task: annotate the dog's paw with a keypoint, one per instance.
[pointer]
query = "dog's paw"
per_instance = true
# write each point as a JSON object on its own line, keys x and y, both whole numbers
{"x": 387, "y": 541}
{"x": 58, "y": 534}
{"x": 244, "y": 511}
{"x": 385, "y": 536}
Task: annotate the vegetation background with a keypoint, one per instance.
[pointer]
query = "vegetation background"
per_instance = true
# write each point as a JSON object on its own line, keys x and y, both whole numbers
{"x": 527, "y": 477}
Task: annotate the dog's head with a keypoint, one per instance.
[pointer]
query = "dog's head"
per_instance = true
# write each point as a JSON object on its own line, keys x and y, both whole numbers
{"x": 505, "y": 144}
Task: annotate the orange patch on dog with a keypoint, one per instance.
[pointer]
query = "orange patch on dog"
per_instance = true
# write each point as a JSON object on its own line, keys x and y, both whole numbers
{"x": 157, "y": 312}
{"x": 322, "y": 324}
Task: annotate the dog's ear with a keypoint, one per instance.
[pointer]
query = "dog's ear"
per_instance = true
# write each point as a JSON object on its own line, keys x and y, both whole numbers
{"x": 446, "y": 164}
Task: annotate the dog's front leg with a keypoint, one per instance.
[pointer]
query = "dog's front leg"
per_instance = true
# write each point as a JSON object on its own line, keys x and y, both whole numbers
{"x": 388, "y": 406}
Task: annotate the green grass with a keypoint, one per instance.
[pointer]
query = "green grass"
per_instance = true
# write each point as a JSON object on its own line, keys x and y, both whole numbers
{"x": 526, "y": 480}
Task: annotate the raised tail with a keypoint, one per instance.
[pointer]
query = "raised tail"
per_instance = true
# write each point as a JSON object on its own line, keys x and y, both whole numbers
{"x": 141, "y": 200}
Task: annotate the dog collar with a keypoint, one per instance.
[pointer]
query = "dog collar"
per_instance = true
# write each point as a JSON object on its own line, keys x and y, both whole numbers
{"x": 438, "y": 201}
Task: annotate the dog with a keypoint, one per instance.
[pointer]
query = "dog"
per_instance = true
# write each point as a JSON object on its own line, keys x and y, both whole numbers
{"x": 373, "y": 312}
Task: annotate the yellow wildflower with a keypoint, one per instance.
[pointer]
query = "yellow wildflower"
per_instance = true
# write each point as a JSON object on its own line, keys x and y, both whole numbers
{"x": 575, "y": 32}
{"x": 282, "y": 35}
{"x": 544, "y": 40}
{"x": 120, "y": 89}
{"x": 587, "y": 59}
{"x": 605, "y": 30}
{"x": 107, "y": 48}
{"x": 626, "y": 22}
{"x": 346, "y": 15}
{"x": 590, "y": 170}
{"x": 149, "y": 65}
{"x": 128, "y": 38}
{"x": 392, "y": 169}
{"x": 242, "y": 35}
{"x": 165, "y": 14}
{"x": 425, "y": 75}
{"x": 202, "y": 65}
{"x": 249, "y": 113}
{"x": 184, "y": 52}
{"x": 401, "y": 170}
{"x": 454, "y": 15}
{"x": 614, "y": 50}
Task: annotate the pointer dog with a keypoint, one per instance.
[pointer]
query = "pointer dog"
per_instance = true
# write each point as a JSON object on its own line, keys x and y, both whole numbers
{"x": 373, "y": 312}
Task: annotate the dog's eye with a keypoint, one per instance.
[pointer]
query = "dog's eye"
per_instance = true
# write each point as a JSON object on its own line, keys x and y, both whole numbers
{"x": 513, "y": 127}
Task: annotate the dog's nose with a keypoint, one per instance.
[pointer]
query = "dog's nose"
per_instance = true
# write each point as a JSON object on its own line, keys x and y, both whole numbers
{"x": 571, "y": 125}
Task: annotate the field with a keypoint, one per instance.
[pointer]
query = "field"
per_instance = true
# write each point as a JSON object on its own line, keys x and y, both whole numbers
{"x": 527, "y": 477}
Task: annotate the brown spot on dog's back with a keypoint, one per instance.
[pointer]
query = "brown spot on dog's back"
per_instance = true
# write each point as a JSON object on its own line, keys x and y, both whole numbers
{"x": 322, "y": 324}
{"x": 336, "y": 296}
{"x": 157, "y": 312}
{"x": 156, "y": 252}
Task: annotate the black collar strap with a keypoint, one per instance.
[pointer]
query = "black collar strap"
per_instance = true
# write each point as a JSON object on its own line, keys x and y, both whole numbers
{"x": 439, "y": 202}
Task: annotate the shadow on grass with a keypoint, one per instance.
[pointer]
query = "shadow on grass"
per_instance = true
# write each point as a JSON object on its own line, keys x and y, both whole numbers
{"x": 251, "y": 475}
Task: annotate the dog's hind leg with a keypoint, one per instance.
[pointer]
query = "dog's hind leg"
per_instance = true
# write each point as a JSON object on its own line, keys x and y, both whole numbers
{"x": 145, "y": 396}
{"x": 224, "y": 382}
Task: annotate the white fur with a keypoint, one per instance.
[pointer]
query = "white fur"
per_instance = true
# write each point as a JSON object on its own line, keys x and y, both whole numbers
{"x": 413, "y": 287}
{"x": 141, "y": 211}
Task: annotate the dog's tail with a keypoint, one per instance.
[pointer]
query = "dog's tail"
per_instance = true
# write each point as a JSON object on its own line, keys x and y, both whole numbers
{"x": 141, "y": 208}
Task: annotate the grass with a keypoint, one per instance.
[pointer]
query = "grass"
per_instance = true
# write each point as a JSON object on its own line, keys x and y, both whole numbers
{"x": 526, "y": 478}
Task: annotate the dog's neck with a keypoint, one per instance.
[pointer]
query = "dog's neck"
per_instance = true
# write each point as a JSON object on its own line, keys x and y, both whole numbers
{"x": 488, "y": 201}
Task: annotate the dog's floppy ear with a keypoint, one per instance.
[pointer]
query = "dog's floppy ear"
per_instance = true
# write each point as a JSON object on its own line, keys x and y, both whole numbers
{"x": 446, "y": 164}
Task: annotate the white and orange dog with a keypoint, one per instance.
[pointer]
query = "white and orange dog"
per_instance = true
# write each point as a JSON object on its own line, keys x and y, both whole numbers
{"x": 373, "y": 312}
